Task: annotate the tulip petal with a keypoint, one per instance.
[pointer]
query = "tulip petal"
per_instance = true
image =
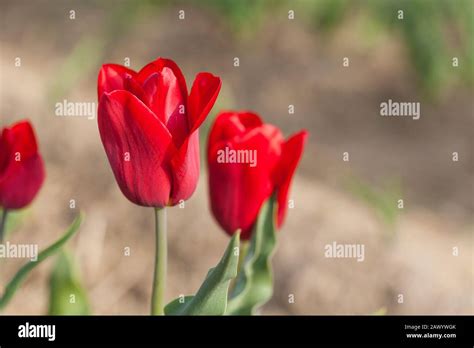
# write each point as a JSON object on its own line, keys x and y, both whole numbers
{"x": 17, "y": 144}
{"x": 164, "y": 98}
{"x": 136, "y": 143}
{"x": 21, "y": 167}
{"x": 4, "y": 152}
{"x": 185, "y": 166}
{"x": 230, "y": 124}
{"x": 132, "y": 85}
{"x": 203, "y": 95}
{"x": 292, "y": 150}
{"x": 238, "y": 190}
{"x": 21, "y": 182}
{"x": 113, "y": 77}
{"x": 22, "y": 138}
{"x": 157, "y": 67}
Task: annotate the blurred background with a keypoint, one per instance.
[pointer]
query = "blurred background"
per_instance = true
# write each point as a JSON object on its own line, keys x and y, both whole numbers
{"x": 289, "y": 53}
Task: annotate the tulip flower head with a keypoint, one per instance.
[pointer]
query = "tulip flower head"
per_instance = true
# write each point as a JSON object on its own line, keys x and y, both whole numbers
{"x": 249, "y": 161}
{"x": 21, "y": 166}
{"x": 149, "y": 128}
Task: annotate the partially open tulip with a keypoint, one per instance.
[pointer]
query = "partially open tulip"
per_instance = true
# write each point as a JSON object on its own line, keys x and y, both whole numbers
{"x": 149, "y": 128}
{"x": 21, "y": 166}
{"x": 248, "y": 161}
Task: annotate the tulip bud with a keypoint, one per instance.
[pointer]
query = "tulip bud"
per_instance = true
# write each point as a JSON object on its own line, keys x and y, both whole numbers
{"x": 248, "y": 161}
{"x": 21, "y": 166}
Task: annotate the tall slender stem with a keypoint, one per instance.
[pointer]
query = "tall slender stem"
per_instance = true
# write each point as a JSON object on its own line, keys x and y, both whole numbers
{"x": 159, "y": 276}
{"x": 3, "y": 223}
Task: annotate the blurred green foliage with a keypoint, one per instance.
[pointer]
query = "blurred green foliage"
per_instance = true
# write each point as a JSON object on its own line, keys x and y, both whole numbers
{"x": 14, "y": 284}
{"x": 380, "y": 311}
{"x": 83, "y": 59}
{"x": 243, "y": 16}
{"x": 382, "y": 200}
{"x": 88, "y": 53}
{"x": 433, "y": 31}
{"x": 67, "y": 295}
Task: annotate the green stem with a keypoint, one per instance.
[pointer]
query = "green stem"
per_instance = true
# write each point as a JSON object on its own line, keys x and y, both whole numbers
{"x": 159, "y": 276}
{"x": 244, "y": 246}
{"x": 3, "y": 223}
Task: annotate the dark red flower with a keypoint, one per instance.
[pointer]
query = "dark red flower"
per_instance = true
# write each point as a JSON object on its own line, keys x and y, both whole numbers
{"x": 21, "y": 166}
{"x": 149, "y": 128}
{"x": 248, "y": 161}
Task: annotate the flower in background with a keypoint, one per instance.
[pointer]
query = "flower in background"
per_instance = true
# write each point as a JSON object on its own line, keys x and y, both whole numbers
{"x": 248, "y": 161}
{"x": 149, "y": 128}
{"x": 21, "y": 166}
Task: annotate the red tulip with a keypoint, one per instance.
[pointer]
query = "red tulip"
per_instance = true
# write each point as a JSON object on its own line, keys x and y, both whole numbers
{"x": 21, "y": 166}
{"x": 248, "y": 161}
{"x": 149, "y": 128}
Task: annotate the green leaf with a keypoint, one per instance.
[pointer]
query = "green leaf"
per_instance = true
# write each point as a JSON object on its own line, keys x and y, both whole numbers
{"x": 20, "y": 276}
{"x": 211, "y": 298}
{"x": 67, "y": 296}
{"x": 254, "y": 285}
{"x": 176, "y": 306}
